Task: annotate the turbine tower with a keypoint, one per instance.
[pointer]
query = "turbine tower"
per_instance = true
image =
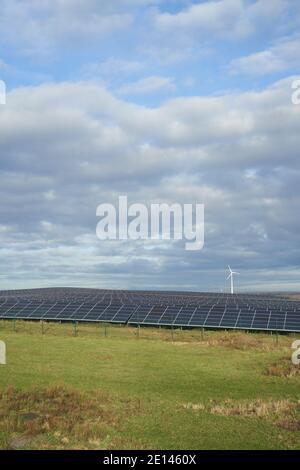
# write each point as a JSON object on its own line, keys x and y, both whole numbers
{"x": 231, "y": 274}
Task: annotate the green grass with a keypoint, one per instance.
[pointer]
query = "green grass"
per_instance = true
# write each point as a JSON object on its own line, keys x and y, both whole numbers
{"x": 228, "y": 390}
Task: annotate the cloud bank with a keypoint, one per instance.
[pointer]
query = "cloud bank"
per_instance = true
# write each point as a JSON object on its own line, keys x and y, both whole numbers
{"x": 65, "y": 148}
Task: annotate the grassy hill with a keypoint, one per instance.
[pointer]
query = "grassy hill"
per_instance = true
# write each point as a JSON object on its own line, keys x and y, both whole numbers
{"x": 110, "y": 388}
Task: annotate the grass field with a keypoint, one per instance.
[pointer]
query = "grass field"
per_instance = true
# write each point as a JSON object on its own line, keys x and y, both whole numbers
{"x": 110, "y": 388}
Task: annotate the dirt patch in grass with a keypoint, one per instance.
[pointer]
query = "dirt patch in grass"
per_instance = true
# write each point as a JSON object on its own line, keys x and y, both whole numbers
{"x": 60, "y": 418}
{"x": 254, "y": 408}
{"x": 247, "y": 408}
{"x": 283, "y": 368}
{"x": 194, "y": 406}
{"x": 240, "y": 341}
{"x": 285, "y": 413}
{"x": 289, "y": 425}
{"x": 233, "y": 340}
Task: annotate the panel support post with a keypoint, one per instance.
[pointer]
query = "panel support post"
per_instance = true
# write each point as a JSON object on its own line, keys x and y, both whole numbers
{"x": 202, "y": 333}
{"x": 75, "y": 328}
{"x": 42, "y": 325}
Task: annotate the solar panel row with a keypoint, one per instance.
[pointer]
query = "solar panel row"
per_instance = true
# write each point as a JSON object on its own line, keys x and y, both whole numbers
{"x": 150, "y": 308}
{"x": 85, "y": 311}
{"x": 147, "y": 297}
{"x": 197, "y": 317}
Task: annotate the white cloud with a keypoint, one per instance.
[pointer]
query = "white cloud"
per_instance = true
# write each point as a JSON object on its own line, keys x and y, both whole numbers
{"x": 3, "y": 65}
{"x": 147, "y": 85}
{"x": 225, "y": 18}
{"x": 284, "y": 55}
{"x": 112, "y": 68}
{"x": 45, "y": 25}
{"x": 164, "y": 53}
{"x": 65, "y": 148}
{"x": 203, "y": 16}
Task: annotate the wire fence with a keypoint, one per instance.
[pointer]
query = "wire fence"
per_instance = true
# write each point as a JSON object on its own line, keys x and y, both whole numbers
{"x": 138, "y": 332}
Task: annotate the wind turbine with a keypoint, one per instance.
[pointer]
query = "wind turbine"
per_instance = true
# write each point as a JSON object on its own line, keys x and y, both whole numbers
{"x": 231, "y": 274}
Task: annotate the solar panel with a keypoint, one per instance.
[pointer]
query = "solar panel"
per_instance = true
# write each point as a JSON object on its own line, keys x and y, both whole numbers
{"x": 199, "y": 317}
{"x": 277, "y": 321}
{"x": 184, "y": 316}
{"x": 260, "y": 320}
{"x": 125, "y": 312}
{"x": 244, "y": 319}
{"x": 140, "y": 314}
{"x": 230, "y": 318}
{"x": 169, "y": 315}
{"x": 155, "y": 315}
{"x": 214, "y": 318}
{"x": 12, "y": 309}
{"x": 54, "y": 310}
{"x": 179, "y": 309}
{"x": 110, "y": 312}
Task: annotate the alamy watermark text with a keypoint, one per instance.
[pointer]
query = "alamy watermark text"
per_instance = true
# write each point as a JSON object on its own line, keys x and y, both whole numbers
{"x": 160, "y": 222}
{"x": 2, "y": 92}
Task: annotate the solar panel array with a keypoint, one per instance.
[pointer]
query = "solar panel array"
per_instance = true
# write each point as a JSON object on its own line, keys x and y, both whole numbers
{"x": 177, "y": 309}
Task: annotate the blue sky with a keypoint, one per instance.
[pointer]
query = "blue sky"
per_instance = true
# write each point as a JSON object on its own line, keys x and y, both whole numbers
{"x": 198, "y": 46}
{"x": 183, "y": 101}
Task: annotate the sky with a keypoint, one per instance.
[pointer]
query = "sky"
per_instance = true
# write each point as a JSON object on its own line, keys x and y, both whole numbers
{"x": 170, "y": 101}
